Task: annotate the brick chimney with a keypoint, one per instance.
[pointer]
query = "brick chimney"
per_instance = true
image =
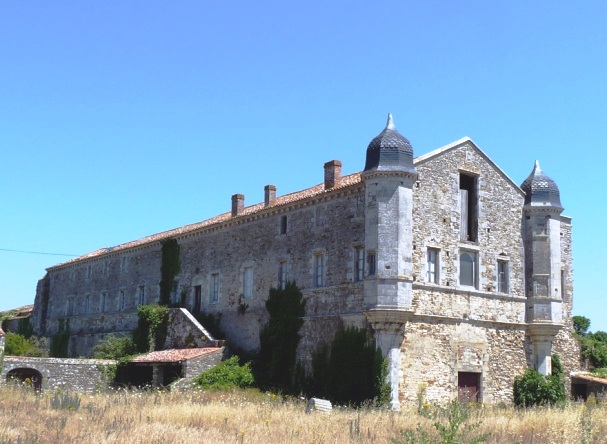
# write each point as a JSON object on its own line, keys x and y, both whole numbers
{"x": 237, "y": 204}
{"x": 332, "y": 174}
{"x": 269, "y": 192}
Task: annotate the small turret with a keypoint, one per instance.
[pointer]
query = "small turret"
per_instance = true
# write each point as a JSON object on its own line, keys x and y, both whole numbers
{"x": 543, "y": 280}
{"x": 389, "y": 151}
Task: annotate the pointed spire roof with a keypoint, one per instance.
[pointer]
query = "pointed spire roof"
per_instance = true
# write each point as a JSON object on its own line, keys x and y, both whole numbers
{"x": 389, "y": 151}
{"x": 540, "y": 189}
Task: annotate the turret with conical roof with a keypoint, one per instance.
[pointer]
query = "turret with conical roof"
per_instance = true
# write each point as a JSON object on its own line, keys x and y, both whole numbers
{"x": 389, "y": 151}
{"x": 543, "y": 280}
{"x": 541, "y": 190}
{"x": 389, "y": 176}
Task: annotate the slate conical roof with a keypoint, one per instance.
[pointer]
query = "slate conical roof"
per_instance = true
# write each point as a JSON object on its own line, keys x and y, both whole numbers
{"x": 389, "y": 151}
{"x": 540, "y": 189}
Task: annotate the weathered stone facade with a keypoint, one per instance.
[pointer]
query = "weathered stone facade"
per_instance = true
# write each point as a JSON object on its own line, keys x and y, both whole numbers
{"x": 436, "y": 255}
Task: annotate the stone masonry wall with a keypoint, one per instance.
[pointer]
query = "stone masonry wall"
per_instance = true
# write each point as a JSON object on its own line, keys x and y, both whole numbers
{"x": 78, "y": 375}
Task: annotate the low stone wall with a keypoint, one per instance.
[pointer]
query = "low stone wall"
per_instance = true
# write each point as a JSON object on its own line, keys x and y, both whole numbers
{"x": 79, "y": 375}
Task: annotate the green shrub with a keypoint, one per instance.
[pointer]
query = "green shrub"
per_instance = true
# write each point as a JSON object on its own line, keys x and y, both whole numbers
{"x": 18, "y": 345}
{"x": 532, "y": 388}
{"x": 228, "y": 374}
{"x": 114, "y": 348}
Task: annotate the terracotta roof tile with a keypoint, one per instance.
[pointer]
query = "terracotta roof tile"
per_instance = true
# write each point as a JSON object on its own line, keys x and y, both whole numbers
{"x": 317, "y": 190}
{"x": 174, "y": 355}
{"x": 589, "y": 377}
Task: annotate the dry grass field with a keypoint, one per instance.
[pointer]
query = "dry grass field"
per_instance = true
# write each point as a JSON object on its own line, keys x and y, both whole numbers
{"x": 253, "y": 417}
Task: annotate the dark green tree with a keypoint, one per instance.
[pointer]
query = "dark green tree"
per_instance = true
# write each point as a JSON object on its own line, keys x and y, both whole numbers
{"x": 350, "y": 371}
{"x": 18, "y": 345}
{"x": 280, "y": 337}
{"x": 581, "y": 325}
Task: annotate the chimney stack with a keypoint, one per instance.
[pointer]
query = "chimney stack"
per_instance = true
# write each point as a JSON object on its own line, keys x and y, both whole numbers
{"x": 332, "y": 174}
{"x": 269, "y": 194}
{"x": 237, "y": 204}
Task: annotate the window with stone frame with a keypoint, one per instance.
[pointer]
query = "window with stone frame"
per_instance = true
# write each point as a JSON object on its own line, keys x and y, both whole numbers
{"x": 432, "y": 266}
{"x": 89, "y": 271}
{"x": 87, "y": 304}
{"x": 121, "y": 300}
{"x": 319, "y": 270}
{"x": 69, "y": 309}
{"x": 103, "y": 302}
{"x": 141, "y": 300}
{"x": 372, "y": 263}
{"x": 283, "y": 274}
{"x": 283, "y": 224}
{"x": 197, "y": 298}
{"x": 214, "y": 288}
{"x": 468, "y": 269}
{"x": 247, "y": 282}
{"x": 359, "y": 264}
{"x": 502, "y": 276}
{"x": 468, "y": 207}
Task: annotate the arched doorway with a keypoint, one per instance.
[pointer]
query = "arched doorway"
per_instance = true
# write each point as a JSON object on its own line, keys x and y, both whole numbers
{"x": 29, "y": 375}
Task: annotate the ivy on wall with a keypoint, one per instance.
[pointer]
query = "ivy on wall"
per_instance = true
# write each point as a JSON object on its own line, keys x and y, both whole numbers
{"x": 151, "y": 330}
{"x": 60, "y": 340}
{"x": 169, "y": 268}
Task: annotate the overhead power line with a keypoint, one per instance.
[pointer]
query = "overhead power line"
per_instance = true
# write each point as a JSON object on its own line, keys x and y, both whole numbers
{"x": 37, "y": 252}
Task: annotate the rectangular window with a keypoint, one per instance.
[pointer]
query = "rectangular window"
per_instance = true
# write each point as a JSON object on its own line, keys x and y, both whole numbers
{"x": 283, "y": 225}
{"x": 433, "y": 266}
{"x": 123, "y": 264}
{"x": 468, "y": 208}
{"x": 502, "y": 276}
{"x": 319, "y": 270}
{"x": 468, "y": 269}
{"x": 87, "y": 304}
{"x": 69, "y": 310}
{"x": 106, "y": 269}
{"x": 142, "y": 295}
{"x": 372, "y": 261}
{"x": 103, "y": 303}
{"x": 283, "y": 274}
{"x": 89, "y": 271}
{"x": 214, "y": 288}
{"x": 121, "y": 300}
{"x": 197, "y": 298}
{"x": 359, "y": 264}
{"x": 247, "y": 278}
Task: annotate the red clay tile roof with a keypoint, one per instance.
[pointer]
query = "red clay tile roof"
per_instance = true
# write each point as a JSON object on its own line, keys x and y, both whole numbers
{"x": 174, "y": 355}
{"x": 317, "y": 190}
{"x": 589, "y": 377}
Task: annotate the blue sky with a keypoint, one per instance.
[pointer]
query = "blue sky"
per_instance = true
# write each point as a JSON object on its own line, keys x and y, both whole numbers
{"x": 123, "y": 119}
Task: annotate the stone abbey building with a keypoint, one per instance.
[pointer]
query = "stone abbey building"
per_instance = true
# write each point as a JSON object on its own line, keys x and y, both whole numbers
{"x": 464, "y": 277}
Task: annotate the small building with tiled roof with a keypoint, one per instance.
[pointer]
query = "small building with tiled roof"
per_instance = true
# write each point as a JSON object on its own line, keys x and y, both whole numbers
{"x": 464, "y": 277}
